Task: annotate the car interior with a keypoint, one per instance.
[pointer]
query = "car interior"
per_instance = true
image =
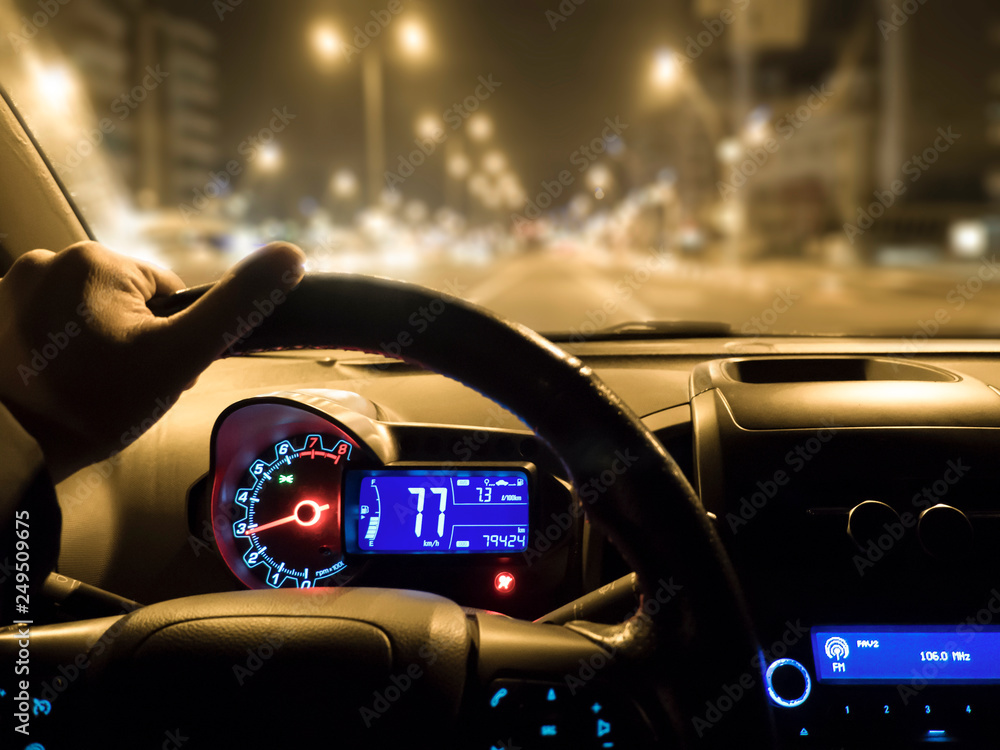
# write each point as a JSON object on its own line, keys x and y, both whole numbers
{"x": 674, "y": 533}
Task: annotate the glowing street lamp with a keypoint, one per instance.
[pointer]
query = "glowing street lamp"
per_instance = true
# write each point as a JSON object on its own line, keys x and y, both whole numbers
{"x": 494, "y": 162}
{"x": 429, "y": 126}
{"x": 326, "y": 41}
{"x": 480, "y": 127}
{"x": 666, "y": 70}
{"x": 413, "y": 38}
{"x": 345, "y": 184}
{"x": 55, "y": 84}
{"x": 269, "y": 158}
{"x": 458, "y": 166}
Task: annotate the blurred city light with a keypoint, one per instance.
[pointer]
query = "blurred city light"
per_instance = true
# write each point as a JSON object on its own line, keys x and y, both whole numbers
{"x": 345, "y": 183}
{"x": 413, "y": 38}
{"x": 458, "y": 166}
{"x": 269, "y": 158}
{"x": 55, "y": 85}
{"x": 666, "y": 71}
{"x": 429, "y": 126}
{"x": 326, "y": 41}
{"x": 729, "y": 151}
{"x": 480, "y": 127}
{"x": 968, "y": 239}
{"x": 599, "y": 177}
{"x": 494, "y": 162}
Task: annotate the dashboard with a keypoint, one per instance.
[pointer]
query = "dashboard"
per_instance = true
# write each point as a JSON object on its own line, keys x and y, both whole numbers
{"x": 312, "y": 489}
{"x": 853, "y": 485}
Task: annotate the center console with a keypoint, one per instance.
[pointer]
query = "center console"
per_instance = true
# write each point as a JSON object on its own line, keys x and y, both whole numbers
{"x": 858, "y": 499}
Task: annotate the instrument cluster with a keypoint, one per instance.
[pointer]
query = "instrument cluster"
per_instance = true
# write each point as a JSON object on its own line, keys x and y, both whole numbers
{"x": 314, "y": 490}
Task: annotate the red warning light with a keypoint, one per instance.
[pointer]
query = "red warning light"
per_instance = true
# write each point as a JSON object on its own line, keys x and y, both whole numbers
{"x": 504, "y": 582}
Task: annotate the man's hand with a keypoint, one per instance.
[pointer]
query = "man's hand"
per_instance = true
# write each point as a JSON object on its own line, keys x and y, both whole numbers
{"x": 83, "y": 362}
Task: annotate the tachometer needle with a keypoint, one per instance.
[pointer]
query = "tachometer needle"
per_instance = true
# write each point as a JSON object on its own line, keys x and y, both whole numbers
{"x": 316, "y": 508}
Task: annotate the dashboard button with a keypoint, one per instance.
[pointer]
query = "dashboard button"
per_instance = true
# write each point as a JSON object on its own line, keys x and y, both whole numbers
{"x": 945, "y": 532}
{"x": 788, "y": 683}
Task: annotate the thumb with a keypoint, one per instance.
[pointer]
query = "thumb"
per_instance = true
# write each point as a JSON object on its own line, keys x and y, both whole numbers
{"x": 227, "y": 311}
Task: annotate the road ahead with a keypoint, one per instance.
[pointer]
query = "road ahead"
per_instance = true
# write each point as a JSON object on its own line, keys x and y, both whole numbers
{"x": 577, "y": 291}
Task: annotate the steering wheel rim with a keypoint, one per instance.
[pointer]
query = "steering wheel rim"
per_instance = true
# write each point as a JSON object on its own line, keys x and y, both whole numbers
{"x": 694, "y": 646}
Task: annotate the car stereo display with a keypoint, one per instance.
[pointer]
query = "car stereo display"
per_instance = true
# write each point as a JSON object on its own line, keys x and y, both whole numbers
{"x": 408, "y": 511}
{"x": 893, "y": 654}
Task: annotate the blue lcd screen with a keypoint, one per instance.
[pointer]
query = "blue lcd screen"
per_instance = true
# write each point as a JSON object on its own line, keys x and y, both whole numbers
{"x": 404, "y": 511}
{"x": 893, "y": 654}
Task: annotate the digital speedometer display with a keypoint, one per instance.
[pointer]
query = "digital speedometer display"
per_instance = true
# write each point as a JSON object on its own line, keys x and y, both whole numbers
{"x": 406, "y": 511}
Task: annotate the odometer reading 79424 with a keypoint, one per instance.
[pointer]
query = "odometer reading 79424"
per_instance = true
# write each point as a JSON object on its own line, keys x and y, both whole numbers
{"x": 435, "y": 510}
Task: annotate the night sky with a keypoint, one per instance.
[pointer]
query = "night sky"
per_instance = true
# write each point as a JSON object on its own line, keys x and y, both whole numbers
{"x": 557, "y": 86}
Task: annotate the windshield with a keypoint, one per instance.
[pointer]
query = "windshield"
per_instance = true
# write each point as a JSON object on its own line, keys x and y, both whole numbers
{"x": 776, "y": 166}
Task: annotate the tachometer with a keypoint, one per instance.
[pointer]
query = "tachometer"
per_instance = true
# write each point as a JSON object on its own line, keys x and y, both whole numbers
{"x": 285, "y": 516}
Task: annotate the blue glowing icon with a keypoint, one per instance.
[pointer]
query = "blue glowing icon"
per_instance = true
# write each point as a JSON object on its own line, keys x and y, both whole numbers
{"x": 596, "y": 708}
{"x": 549, "y": 730}
{"x": 35, "y": 746}
{"x": 552, "y": 694}
{"x": 497, "y": 697}
{"x": 837, "y": 648}
{"x": 603, "y": 727}
{"x": 41, "y": 708}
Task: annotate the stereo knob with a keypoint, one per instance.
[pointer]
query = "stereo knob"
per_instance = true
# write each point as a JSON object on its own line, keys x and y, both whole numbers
{"x": 870, "y": 520}
{"x": 945, "y": 532}
{"x": 788, "y": 683}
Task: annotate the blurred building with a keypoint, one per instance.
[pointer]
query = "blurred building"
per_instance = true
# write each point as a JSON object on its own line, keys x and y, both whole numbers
{"x": 155, "y": 77}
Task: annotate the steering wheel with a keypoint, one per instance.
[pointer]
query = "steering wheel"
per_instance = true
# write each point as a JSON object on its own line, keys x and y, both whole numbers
{"x": 276, "y": 667}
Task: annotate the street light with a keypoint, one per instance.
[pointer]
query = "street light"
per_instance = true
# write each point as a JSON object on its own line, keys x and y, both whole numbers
{"x": 269, "y": 158}
{"x": 55, "y": 84}
{"x": 494, "y": 162}
{"x": 480, "y": 127}
{"x": 429, "y": 126}
{"x": 666, "y": 71}
{"x": 458, "y": 166}
{"x": 326, "y": 41}
{"x": 415, "y": 42}
{"x": 413, "y": 37}
{"x": 345, "y": 183}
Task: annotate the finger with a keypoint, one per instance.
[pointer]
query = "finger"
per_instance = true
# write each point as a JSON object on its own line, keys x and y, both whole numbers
{"x": 159, "y": 282}
{"x": 207, "y": 327}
